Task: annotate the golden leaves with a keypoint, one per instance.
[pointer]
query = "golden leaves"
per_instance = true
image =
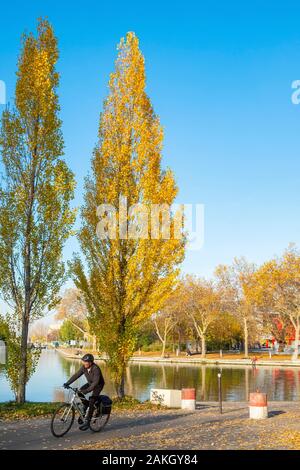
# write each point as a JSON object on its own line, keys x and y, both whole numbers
{"x": 129, "y": 279}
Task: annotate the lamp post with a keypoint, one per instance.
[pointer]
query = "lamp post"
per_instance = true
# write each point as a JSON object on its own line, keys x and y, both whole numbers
{"x": 220, "y": 390}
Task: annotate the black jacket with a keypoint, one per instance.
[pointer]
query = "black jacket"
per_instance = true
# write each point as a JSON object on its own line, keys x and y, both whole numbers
{"x": 94, "y": 377}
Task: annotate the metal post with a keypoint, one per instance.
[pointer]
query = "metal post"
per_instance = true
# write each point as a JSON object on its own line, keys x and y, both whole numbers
{"x": 220, "y": 390}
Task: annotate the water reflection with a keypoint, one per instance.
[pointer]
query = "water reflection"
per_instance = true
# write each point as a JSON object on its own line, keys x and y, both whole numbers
{"x": 237, "y": 382}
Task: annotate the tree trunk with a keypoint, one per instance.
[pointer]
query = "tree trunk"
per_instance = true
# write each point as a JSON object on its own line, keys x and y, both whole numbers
{"x": 23, "y": 366}
{"x": 280, "y": 347}
{"x": 295, "y": 353}
{"x": 246, "y": 348}
{"x": 27, "y": 304}
{"x": 163, "y": 348}
{"x": 179, "y": 341}
{"x": 94, "y": 343}
{"x": 163, "y": 339}
{"x": 120, "y": 387}
{"x": 129, "y": 381}
{"x": 203, "y": 346}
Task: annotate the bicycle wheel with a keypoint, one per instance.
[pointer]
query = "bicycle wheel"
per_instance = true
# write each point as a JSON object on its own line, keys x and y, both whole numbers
{"x": 99, "y": 419}
{"x": 62, "y": 420}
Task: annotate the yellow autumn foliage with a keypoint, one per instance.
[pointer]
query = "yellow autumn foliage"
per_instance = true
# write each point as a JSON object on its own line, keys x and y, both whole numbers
{"x": 128, "y": 279}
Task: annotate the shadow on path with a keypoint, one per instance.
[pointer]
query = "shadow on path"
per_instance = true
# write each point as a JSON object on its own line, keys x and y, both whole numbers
{"x": 143, "y": 421}
{"x": 274, "y": 413}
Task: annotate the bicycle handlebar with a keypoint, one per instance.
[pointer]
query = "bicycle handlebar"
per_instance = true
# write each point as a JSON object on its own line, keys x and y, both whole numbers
{"x": 71, "y": 388}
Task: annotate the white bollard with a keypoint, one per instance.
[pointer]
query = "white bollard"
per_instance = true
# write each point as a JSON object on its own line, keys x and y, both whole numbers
{"x": 258, "y": 406}
{"x": 188, "y": 398}
{"x": 166, "y": 397}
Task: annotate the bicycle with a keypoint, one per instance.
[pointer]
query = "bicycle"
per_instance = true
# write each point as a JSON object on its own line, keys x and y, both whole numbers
{"x": 63, "y": 418}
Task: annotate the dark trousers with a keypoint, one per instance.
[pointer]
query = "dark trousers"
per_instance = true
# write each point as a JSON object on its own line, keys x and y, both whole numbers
{"x": 92, "y": 400}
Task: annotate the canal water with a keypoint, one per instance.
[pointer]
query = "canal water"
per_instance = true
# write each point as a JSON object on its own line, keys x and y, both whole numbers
{"x": 54, "y": 369}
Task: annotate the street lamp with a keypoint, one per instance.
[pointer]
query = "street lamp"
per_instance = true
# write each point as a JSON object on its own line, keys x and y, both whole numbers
{"x": 220, "y": 390}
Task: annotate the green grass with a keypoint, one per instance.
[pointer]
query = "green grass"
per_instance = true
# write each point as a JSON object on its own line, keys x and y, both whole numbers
{"x": 11, "y": 410}
{"x": 130, "y": 403}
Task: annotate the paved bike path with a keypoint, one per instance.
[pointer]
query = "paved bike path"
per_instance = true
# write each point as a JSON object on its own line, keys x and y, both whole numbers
{"x": 35, "y": 433}
{"x": 168, "y": 429}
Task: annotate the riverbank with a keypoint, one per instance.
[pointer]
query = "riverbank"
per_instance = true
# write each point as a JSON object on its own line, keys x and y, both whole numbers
{"x": 169, "y": 429}
{"x": 213, "y": 359}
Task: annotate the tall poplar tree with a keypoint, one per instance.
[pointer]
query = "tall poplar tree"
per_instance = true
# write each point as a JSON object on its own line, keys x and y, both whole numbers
{"x": 37, "y": 187}
{"x": 127, "y": 279}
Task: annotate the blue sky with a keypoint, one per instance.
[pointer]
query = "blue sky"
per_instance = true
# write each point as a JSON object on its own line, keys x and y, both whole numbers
{"x": 219, "y": 76}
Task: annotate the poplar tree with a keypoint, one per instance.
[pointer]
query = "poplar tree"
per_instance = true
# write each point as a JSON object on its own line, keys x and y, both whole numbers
{"x": 37, "y": 187}
{"x": 127, "y": 279}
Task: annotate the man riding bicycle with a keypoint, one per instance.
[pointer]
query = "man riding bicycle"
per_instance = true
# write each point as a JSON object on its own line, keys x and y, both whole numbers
{"x": 95, "y": 384}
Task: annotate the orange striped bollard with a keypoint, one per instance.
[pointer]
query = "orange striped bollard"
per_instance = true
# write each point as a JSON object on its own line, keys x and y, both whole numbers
{"x": 258, "y": 405}
{"x": 188, "y": 398}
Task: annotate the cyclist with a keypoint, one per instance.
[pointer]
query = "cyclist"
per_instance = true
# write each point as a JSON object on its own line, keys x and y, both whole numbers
{"x": 95, "y": 384}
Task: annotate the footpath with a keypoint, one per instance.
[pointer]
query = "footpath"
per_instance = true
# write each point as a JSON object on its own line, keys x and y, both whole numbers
{"x": 204, "y": 428}
{"x": 235, "y": 361}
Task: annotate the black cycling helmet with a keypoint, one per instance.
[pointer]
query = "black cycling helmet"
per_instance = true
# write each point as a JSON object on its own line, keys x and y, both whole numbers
{"x": 88, "y": 358}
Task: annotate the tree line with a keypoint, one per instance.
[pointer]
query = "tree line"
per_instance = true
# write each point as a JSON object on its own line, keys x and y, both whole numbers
{"x": 241, "y": 304}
